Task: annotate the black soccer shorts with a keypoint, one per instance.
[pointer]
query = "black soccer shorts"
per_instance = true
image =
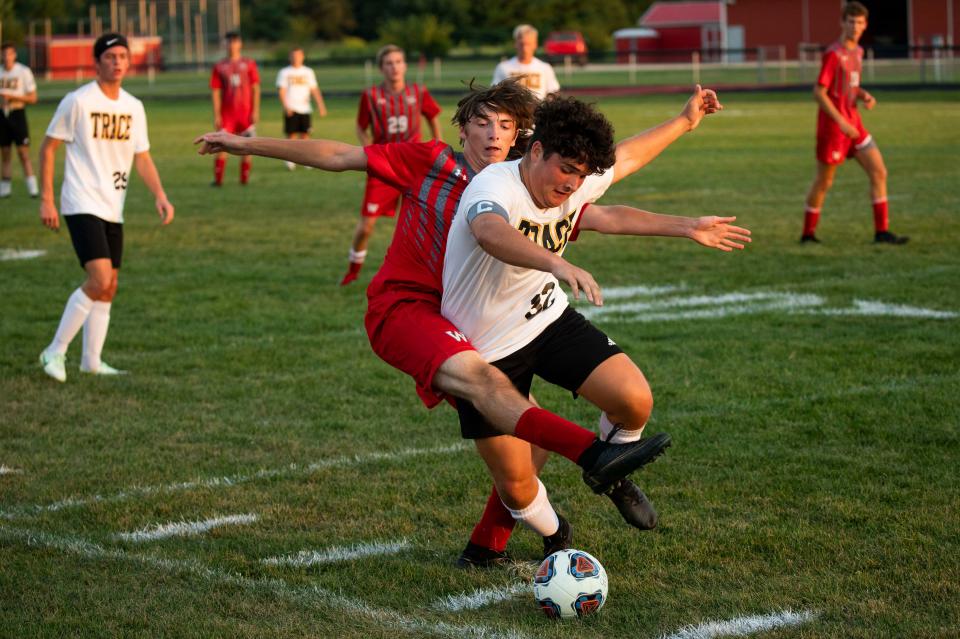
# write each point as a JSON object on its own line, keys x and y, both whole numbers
{"x": 564, "y": 354}
{"x": 14, "y": 129}
{"x": 95, "y": 238}
{"x": 296, "y": 123}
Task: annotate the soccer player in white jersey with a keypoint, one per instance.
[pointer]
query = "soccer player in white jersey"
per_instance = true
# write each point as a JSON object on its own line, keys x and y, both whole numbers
{"x": 17, "y": 90}
{"x": 104, "y": 129}
{"x": 534, "y": 73}
{"x": 296, "y": 84}
{"x": 505, "y": 296}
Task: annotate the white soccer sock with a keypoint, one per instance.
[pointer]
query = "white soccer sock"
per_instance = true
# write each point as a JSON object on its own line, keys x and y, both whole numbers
{"x": 539, "y": 516}
{"x": 74, "y": 315}
{"x": 4, "y": 187}
{"x": 357, "y": 257}
{"x": 94, "y": 335}
{"x": 32, "y": 188}
{"x": 621, "y": 436}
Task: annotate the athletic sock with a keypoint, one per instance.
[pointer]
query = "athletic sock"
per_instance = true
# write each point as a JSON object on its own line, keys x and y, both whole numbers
{"x": 353, "y": 269}
{"x": 551, "y": 432}
{"x": 74, "y": 316}
{"x": 219, "y": 166}
{"x": 495, "y": 526}
{"x": 539, "y": 516}
{"x": 94, "y": 335}
{"x": 4, "y": 187}
{"x": 881, "y": 215}
{"x": 615, "y": 433}
{"x": 245, "y": 166}
{"x": 810, "y": 218}
{"x": 32, "y": 187}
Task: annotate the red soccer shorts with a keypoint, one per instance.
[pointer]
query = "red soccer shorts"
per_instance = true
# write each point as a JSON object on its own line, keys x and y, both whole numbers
{"x": 238, "y": 126}
{"x": 834, "y": 146}
{"x": 411, "y": 335}
{"x": 380, "y": 199}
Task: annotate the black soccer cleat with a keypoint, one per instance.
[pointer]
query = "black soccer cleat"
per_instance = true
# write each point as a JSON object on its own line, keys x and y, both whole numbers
{"x": 633, "y": 505}
{"x": 615, "y": 461}
{"x": 560, "y": 540}
{"x": 811, "y": 238}
{"x": 886, "y": 237}
{"x": 476, "y": 556}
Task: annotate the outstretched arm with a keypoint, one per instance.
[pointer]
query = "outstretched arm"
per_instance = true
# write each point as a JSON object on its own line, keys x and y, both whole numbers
{"x": 502, "y": 241}
{"x": 637, "y": 151}
{"x": 328, "y": 155}
{"x": 710, "y": 231}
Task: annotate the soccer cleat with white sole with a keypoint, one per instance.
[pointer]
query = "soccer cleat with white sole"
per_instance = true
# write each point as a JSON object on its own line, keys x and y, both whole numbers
{"x": 104, "y": 369}
{"x": 54, "y": 365}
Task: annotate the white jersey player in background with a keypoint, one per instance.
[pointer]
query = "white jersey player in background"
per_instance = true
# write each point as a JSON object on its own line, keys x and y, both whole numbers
{"x": 507, "y": 301}
{"x": 17, "y": 89}
{"x": 104, "y": 129}
{"x": 296, "y": 84}
{"x": 534, "y": 73}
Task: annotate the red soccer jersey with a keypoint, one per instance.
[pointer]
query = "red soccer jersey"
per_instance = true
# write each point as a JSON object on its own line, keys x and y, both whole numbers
{"x": 395, "y": 117}
{"x": 235, "y": 81}
{"x": 432, "y": 178}
{"x": 840, "y": 73}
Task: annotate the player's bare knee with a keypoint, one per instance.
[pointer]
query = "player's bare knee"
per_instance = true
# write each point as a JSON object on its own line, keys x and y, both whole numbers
{"x": 517, "y": 492}
{"x": 633, "y": 408}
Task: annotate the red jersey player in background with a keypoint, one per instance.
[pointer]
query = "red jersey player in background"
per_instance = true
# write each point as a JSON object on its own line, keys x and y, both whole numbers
{"x": 235, "y": 86}
{"x": 389, "y": 112}
{"x": 840, "y": 133}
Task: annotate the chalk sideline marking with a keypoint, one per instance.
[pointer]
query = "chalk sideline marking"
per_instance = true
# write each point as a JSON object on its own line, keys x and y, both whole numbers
{"x": 743, "y": 626}
{"x": 184, "y": 528}
{"x": 479, "y": 598}
{"x": 291, "y": 470}
{"x": 313, "y": 596}
{"x": 6, "y": 470}
{"x": 665, "y": 309}
{"x": 337, "y": 553}
{"x": 17, "y": 254}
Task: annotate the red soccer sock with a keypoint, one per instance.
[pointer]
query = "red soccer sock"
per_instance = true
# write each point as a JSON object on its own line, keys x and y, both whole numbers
{"x": 495, "y": 526}
{"x": 551, "y": 432}
{"x": 881, "y": 216}
{"x": 810, "y": 218}
{"x": 219, "y": 166}
{"x": 245, "y": 166}
{"x": 352, "y": 272}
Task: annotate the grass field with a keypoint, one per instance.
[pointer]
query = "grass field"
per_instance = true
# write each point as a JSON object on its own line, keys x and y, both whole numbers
{"x": 811, "y": 392}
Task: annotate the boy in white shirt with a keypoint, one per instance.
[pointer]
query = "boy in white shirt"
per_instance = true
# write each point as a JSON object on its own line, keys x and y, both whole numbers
{"x": 534, "y": 73}
{"x": 296, "y": 84}
{"x": 17, "y": 90}
{"x": 104, "y": 129}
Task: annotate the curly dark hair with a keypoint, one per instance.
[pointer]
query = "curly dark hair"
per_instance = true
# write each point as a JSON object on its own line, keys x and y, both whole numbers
{"x": 576, "y": 130}
{"x": 508, "y": 96}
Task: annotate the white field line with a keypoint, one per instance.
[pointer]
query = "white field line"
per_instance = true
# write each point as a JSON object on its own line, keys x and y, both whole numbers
{"x": 872, "y": 309}
{"x": 337, "y": 553}
{"x": 620, "y": 292}
{"x": 6, "y": 470}
{"x": 479, "y": 598}
{"x": 292, "y": 470}
{"x": 718, "y": 308}
{"x": 308, "y": 596}
{"x": 743, "y": 626}
{"x": 700, "y": 300}
{"x": 184, "y": 528}
{"x": 17, "y": 254}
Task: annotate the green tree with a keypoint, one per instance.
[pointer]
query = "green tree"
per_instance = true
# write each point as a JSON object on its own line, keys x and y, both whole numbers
{"x": 418, "y": 35}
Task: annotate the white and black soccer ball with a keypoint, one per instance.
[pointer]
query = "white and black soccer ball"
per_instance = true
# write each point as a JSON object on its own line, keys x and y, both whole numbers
{"x": 570, "y": 583}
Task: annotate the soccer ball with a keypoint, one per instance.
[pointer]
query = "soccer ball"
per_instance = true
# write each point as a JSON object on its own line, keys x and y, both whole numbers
{"x": 570, "y": 583}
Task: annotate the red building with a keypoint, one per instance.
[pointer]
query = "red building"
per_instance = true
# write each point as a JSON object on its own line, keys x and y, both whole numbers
{"x": 748, "y": 24}
{"x": 69, "y": 57}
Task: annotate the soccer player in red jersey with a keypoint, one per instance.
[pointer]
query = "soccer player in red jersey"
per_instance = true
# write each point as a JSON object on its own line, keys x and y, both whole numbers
{"x": 403, "y": 320}
{"x": 389, "y": 112}
{"x": 840, "y": 132}
{"x": 235, "y": 87}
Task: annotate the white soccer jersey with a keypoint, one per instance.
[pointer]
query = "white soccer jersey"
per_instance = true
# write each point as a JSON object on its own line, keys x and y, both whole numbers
{"x": 16, "y": 83}
{"x": 102, "y": 136}
{"x": 297, "y": 82}
{"x": 537, "y": 75}
{"x": 502, "y": 308}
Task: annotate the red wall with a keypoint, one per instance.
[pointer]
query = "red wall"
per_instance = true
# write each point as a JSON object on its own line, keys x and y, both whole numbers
{"x": 771, "y": 23}
{"x": 930, "y": 19}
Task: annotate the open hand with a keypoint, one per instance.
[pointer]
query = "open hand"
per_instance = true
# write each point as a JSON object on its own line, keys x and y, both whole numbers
{"x": 717, "y": 232}
{"x": 578, "y": 280}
